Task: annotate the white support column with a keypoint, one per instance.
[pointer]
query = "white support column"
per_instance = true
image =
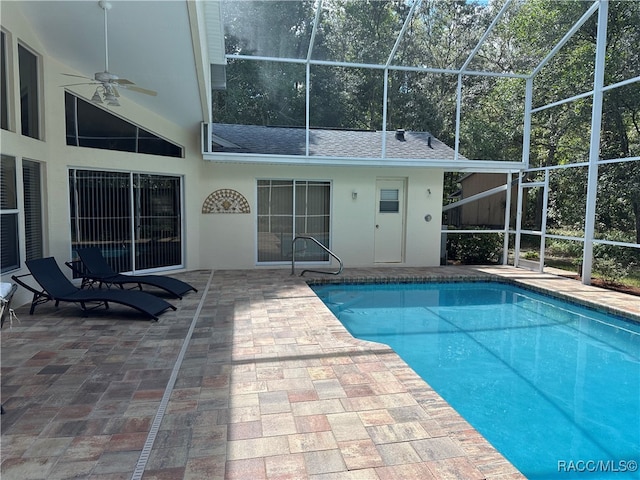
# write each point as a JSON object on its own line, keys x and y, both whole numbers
{"x": 594, "y": 150}
{"x": 384, "y": 113}
{"x": 507, "y": 217}
{"x": 543, "y": 226}
{"x": 516, "y": 259}
{"x": 526, "y": 131}
{"x": 458, "y": 113}
{"x": 526, "y": 149}
{"x": 306, "y": 111}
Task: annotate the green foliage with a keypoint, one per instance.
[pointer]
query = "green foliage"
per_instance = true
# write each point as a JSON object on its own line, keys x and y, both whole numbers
{"x": 484, "y": 100}
{"x": 619, "y": 200}
{"x": 628, "y": 257}
{"x": 475, "y": 248}
{"x": 610, "y": 270}
{"x": 564, "y": 248}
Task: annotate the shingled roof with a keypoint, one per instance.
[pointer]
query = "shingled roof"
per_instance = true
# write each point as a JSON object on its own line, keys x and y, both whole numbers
{"x": 255, "y": 139}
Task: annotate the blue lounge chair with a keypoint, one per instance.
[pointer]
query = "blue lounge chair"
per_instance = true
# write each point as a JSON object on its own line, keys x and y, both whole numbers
{"x": 57, "y": 287}
{"x": 95, "y": 268}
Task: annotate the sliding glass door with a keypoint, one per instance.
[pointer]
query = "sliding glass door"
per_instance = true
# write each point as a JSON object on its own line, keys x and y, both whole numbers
{"x": 287, "y": 208}
{"x": 134, "y": 218}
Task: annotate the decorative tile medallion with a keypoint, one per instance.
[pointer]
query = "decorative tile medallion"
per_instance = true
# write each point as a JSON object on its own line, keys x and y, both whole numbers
{"x": 226, "y": 200}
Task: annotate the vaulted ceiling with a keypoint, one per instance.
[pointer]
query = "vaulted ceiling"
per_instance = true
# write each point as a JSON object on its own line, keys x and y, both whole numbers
{"x": 159, "y": 45}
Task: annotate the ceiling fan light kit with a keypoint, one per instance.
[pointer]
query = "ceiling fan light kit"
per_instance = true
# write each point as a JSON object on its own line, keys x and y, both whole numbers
{"x": 106, "y": 81}
{"x": 96, "y": 97}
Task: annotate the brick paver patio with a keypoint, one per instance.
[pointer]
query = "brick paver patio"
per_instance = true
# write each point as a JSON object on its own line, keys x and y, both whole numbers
{"x": 252, "y": 377}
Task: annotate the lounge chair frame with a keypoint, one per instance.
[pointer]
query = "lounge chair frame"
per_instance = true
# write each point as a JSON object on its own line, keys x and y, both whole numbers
{"x": 5, "y": 305}
{"x": 94, "y": 269}
{"x": 88, "y": 300}
{"x": 39, "y": 296}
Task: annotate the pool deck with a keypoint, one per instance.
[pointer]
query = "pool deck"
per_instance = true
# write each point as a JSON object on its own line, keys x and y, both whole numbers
{"x": 252, "y": 377}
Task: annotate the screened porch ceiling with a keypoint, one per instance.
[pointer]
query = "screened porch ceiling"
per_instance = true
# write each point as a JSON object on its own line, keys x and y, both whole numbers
{"x": 271, "y": 33}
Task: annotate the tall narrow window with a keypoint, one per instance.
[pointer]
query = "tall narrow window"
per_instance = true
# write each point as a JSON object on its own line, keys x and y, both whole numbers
{"x": 4, "y": 83}
{"x": 32, "y": 190}
{"x": 9, "y": 250}
{"x": 312, "y": 218}
{"x": 29, "y": 103}
{"x": 287, "y": 208}
{"x": 275, "y": 220}
{"x": 158, "y": 221}
{"x": 101, "y": 216}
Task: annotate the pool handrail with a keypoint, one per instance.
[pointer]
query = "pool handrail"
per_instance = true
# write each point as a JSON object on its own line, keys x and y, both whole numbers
{"x": 317, "y": 242}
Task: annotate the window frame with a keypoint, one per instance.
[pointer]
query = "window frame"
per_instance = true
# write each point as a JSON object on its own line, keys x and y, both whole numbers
{"x": 33, "y": 211}
{"x": 25, "y": 225}
{"x": 127, "y": 246}
{"x": 34, "y": 90}
{"x": 11, "y": 211}
{"x": 391, "y": 204}
{"x": 6, "y": 77}
{"x": 140, "y": 140}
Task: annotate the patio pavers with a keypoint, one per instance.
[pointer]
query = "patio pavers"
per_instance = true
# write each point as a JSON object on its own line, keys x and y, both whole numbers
{"x": 270, "y": 385}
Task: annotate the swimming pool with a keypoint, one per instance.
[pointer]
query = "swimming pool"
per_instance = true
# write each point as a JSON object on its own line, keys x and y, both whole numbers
{"x": 555, "y": 387}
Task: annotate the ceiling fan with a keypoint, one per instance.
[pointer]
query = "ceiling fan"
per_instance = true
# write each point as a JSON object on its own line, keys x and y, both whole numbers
{"x": 106, "y": 81}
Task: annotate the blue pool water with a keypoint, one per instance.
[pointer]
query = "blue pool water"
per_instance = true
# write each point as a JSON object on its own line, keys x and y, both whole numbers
{"x": 553, "y": 386}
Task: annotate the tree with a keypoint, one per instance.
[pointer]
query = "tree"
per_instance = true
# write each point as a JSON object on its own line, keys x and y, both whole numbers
{"x": 440, "y": 35}
{"x": 265, "y": 93}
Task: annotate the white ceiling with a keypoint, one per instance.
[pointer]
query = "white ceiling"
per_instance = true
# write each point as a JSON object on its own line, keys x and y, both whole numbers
{"x": 150, "y": 43}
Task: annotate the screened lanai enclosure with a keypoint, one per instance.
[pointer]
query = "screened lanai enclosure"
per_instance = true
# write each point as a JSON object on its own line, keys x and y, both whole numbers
{"x": 538, "y": 99}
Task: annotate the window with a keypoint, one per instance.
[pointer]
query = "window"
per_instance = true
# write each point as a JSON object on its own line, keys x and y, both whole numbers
{"x": 9, "y": 252}
{"x": 4, "y": 83}
{"x": 93, "y": 127}
{"x": 287, "y": 208}
{"x": 32, "y": 191}
{"x": 29, "y": 107}
{"x": 389, "y": 200}
{"x": 135, "y": 218}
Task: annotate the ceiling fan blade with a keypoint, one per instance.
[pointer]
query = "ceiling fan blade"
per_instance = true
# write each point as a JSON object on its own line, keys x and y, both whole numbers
{"x": 129, "y": 85}
{"x": 122, "y": 81}
{"x": 76, "y": 76}
{"x": 76, "y": 84}
{"x": 141, "y": 90}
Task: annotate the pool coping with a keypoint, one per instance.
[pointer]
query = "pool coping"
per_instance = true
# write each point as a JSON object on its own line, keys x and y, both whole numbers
{"x": 624, "y": 314}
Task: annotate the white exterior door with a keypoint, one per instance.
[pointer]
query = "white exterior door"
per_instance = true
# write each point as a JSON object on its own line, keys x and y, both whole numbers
{"x": 389, "y": 226}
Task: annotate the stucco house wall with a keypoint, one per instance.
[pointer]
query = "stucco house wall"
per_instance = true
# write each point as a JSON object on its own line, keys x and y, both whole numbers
{"x": 56, "y": 157}
{"x": 229, "y": 240}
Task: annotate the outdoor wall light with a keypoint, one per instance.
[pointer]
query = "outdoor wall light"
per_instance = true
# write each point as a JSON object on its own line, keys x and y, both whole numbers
{"x": 427, "y": 217}
{"x": 354, "y": 194}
